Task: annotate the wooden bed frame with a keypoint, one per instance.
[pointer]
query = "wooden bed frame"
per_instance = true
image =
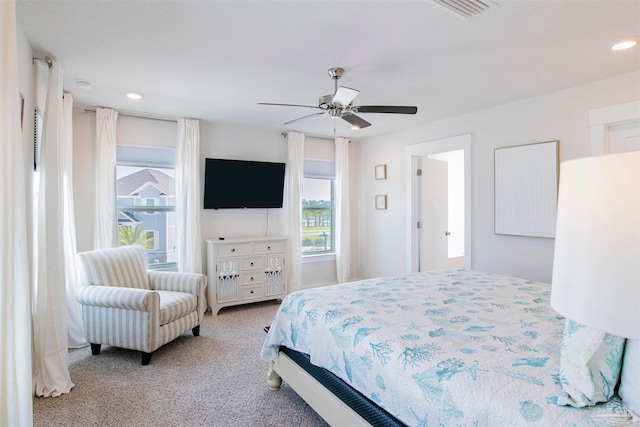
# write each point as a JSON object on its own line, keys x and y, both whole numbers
{"x": 328, "y": 406}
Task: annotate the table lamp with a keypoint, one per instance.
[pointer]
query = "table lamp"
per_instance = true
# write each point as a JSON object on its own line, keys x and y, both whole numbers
{"x": 596, "y": 268}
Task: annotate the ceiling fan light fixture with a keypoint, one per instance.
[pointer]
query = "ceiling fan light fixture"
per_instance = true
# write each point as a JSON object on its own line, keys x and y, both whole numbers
{"x": 344, "y": 96}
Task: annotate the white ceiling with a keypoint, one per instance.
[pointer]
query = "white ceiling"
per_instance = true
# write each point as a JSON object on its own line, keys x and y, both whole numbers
{"x": 215, "y": 60}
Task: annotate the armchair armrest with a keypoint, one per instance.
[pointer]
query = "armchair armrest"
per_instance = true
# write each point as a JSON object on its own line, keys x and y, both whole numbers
{"x": 192, "y": 283}
{"x": 116, "y": 297}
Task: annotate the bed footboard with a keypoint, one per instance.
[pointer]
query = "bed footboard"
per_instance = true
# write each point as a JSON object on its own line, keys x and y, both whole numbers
{"x": 328, "y": 406}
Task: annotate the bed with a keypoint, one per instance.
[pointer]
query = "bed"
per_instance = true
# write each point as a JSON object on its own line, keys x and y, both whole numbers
{"x": 449, "y": 347}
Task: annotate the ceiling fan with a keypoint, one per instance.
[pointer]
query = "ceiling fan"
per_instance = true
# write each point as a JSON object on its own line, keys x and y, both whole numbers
{"x": 339, "y": 105}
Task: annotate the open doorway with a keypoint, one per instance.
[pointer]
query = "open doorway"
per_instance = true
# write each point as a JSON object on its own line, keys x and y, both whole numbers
{"x": 439, "y": 204}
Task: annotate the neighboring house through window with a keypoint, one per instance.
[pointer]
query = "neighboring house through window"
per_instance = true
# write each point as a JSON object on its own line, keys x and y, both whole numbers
{"x": 145, "y": 202}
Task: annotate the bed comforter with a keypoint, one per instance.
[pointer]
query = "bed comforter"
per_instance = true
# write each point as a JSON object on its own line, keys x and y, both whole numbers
{"x": 450, "y": 347}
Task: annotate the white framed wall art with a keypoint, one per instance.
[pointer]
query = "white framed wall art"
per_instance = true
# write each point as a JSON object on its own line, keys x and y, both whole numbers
{"x": 526, "y": 189}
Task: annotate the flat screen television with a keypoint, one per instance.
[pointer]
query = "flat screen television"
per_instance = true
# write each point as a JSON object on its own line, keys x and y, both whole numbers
{"x": 239, "y": 184}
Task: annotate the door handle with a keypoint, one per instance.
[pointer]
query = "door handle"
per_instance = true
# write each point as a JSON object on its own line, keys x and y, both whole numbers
{"x": 447, "y": 233}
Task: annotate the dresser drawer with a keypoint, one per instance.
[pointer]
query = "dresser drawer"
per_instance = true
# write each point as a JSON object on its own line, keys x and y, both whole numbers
{"x": 252, "y": 278}
{"x": 234, "y": 249}
{"x": 251, "y": 263}
{"x": 250, "y": 292}
{"x": 269, "y": 247}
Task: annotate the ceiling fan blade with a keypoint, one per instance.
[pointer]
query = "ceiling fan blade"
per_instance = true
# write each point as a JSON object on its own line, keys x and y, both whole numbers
{"x": 344, "y": 96}
{"x": 290, "y": 105}
{"x": 389, "y": 109}
{"x": 356, "y": 121}
{"x": 304, "y": 118}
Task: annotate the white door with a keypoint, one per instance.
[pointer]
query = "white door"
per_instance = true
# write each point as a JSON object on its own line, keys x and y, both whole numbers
{"x": 456, "y": 151}
{"x": 433, "y": 210}
{"x": 624, "y": 137}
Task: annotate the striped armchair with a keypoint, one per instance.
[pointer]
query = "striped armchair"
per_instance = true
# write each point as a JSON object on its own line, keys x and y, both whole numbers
{"x": 126, "y": 306}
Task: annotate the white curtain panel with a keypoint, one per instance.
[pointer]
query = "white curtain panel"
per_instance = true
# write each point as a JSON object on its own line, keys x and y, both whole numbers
{"x": 50, "y": 339}
{"x": 187, "y": 188}
{"x": 74, "y": 310}
{"x": 343, "y": 229}
{"x": 292, "y": 203}
{"x": 16, "y": 390}
{"x": 105, "y": 178}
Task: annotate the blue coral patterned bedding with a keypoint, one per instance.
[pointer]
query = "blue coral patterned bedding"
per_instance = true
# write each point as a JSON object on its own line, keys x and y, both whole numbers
{"x": 449, "y": 347}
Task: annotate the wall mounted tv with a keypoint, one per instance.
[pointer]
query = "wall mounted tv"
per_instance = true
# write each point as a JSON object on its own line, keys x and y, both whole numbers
{"x": 238, "y": 184}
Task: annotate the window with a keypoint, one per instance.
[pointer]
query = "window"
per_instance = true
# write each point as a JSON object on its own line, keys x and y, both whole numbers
{"x": 318, "y": 207}
{"x": 145, "y": 202}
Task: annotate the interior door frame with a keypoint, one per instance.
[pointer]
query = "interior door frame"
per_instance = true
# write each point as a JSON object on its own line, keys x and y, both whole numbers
{"x": 412, "y": 158}
{"x": 600, "y": 119}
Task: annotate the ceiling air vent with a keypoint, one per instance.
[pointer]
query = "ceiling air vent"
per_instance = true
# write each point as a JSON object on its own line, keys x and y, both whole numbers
{"x": 465, "y": 9}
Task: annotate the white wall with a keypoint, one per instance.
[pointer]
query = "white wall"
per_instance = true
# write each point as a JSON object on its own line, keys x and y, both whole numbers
{"x": 216, "y": 141}
{"x": 379, "y": 245}
{"x": 559, "y": 116}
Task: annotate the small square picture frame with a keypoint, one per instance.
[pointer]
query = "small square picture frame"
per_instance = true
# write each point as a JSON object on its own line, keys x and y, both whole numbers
{"x": 381, "y": 202}
{"x": 380, "y": 171}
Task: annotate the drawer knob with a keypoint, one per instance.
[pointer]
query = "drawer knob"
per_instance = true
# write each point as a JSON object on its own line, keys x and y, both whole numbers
{"x": 233, "y": 250}
{"x": 252, "y": 281}
{"x": 251, "y": 290}
{"x": 268, "y": 248}
{"x": 251, "y": 264}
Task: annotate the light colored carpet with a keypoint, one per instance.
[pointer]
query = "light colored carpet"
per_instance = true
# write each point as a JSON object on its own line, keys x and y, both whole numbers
{"x": 216, "y": 379}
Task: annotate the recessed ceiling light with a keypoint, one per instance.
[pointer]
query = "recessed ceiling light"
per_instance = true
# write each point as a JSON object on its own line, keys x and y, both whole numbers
{"x": 134, "y": 95}
{"x": 84, "y": 84}
{"x": 625, "y": 44}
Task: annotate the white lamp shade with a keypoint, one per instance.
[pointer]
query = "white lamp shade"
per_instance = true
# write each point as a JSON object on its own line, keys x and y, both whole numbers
{"x": 596, "y": 269}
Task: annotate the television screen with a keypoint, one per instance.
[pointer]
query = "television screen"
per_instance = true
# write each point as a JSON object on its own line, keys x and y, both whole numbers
{"x": 237, "y": 184}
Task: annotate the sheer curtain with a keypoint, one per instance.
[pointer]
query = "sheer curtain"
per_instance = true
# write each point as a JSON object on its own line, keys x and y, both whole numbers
{"x": 187, "y": 183}
{"x": 105, "y": 177}
{"x": 16, "y": 390}
{"x": 343, "y": 229}
{"x": 294, "y": 176}
{"x": 50, "y": 339}
{"x": 74, "y": 310}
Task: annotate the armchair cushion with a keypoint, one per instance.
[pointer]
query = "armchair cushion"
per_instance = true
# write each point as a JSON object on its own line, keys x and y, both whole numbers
{"x": 174, "y": 305}
{"x": 192, "y": 283}
{"x": 125, "y": 266}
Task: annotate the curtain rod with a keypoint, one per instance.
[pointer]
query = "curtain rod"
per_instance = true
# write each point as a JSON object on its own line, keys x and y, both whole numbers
{"x": 140, "y": 116}
{"x": 46, "y": 60}
{"x": 286, "y": 134}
